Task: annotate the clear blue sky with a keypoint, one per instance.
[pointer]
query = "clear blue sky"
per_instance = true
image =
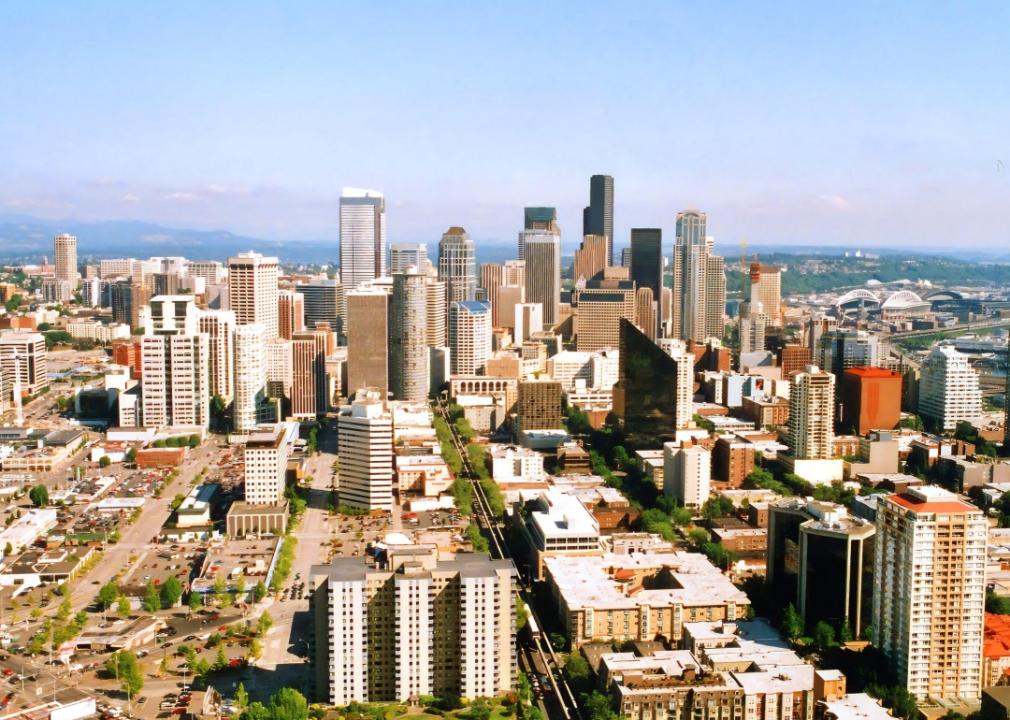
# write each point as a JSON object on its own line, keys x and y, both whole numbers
{"x": 856, "y": 124}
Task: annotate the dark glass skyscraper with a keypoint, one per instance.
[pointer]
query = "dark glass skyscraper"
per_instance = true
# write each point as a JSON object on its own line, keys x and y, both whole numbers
{"x": 598, "y": 217}
{"x": 645, "y": 396}
{"x": 647, "y": 262}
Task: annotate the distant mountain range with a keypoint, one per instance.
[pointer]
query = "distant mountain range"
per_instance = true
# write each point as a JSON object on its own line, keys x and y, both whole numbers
{"x": 25, "y": 238}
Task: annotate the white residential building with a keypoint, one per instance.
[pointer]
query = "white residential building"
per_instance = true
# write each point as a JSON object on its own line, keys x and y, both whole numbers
{"x": 175, "y": 364}
{"x": 687, "y": 473}
{"x": 250, "y": 375}
{"x": 23, "y": 355}
{"x": 266, "y": 455}
{"x": 812, "y": 414}
{"x": 219, "y": 326}
{"x": 252, "y": 291}
{"x": 515, "y": 464}
{"x": 469, "y": 336}
{"x": 65, "y": 247}
{"x": 949, "y": 389}
{"x": 365, "y": 438}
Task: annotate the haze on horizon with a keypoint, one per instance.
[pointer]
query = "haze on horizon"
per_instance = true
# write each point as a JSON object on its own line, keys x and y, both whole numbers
{"x": 856, "y": 124}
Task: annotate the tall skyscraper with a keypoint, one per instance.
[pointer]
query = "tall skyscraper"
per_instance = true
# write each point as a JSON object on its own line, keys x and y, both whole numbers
{"x": 415, "y": 625}
{"x": 766, "y": 289}
{"x": 647, "y": 264}
{"x": 175, "y": 364}
{"x": 699, "y": 282}
{"x": 127, "y": 298}
{"x": 23, "y": 356}
{"x": 591, "y": 258}
{"x": 252, "y": 290}
{"x": 408, "y": 341}
{"x": 598, "y": 217}
{"x": 537, "y": 220}
{"x": 543, "y": 273}
{"x": 492, "y": 277}
{"x": 812, "y": 414}
{"x": 219, "y": 326}
{"x": 367, "y": 340}
{"x": 250, "y": 376}
{"x": 457, "y": 265}
{"x": 290, "y": 313}
{"x": 929, "y": 603}
{"x": 365, "y": 438}
{"x": 948, "y": 389}
{"x": 307, "y": 363}
{"x": 469, "y": 337}
{"x": 65, "y": 250}
{"x": 362, "y": 236}
{"x": 406, "y": 255}
{"x": 646, "y": 316}
{"x": 324, "y": 302}
{"x": 438, "y": 313}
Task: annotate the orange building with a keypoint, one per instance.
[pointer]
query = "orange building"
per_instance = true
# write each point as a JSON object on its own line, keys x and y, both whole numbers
{"x": 871, "y": 399}
{"x": 793, "y": 358}
{"x": 996, "y": 650}
{"x": 127, "y": 353}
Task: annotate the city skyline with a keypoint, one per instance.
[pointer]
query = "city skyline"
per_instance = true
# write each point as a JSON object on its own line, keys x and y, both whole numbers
{"x": 845, "y": 141}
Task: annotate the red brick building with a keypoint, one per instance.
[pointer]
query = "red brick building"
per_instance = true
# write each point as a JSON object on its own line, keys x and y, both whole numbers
{"x": 871, "y": 399}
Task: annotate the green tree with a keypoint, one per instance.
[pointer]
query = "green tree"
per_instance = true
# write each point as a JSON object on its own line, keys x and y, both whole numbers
{"x": 64, "y": 610}
{"x": 123, "y": 664}
{"x": 39, "y": 495}
{"x": 240, "y": 587}
{"x": 259, "y": 591}
{"x": 255, "y": 711}
{"x": 171, "y": 592}
{"x": 288, "y": 704}
{"x": 104, "y": 461}
{"x": 577, "y": 669}
{"x": 220, "y": 660}
{"x": 792, "y": 624}
{"x": 997, "y": 604}
{"x": 824, "y": 636}
{"x": 152, "y": 600}
{"x": 107, "y": 595}
{"x": 598, "y": 706}
{"x": 698, "y": 536}
{"x": 177, "y": 501}
{"x": 264, "y": 624}
{"x": 241, "y": 697}
{"x": 845, "y": 632}
{"x": 131, "y": 455}
{"x": 123, "y": 607}
{"x": 195, "y": 601}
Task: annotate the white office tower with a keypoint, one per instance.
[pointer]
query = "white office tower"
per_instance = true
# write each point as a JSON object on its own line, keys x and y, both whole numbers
{"x": 415, "y": 625}
{"x": 687, "y": 473}
{"x": 457, "y": 265}
{"x": 219, "y": 326}
{"x": 250, "y": 375}
{"x": 252, "y": 291}
{"x": 405, "y": 255}
{"x": 365, "y": 437}
{"x": 529, "y": 319}
{"x": 812, "y": 414}
{"x": 948, "y": 389}
{"x": 469, "y": 337}
{"x": 265, "y": 457}
{"x": 699, "y": 281}
{"x": 65, "y": 250}
{"x": 362, "y": 236}
{"x": 543, "y": 273}
{"x": 438, "y": 315}
{"x": 677, "y": 349}
{"x": 23, "y": 356}
{"x": 175, "y": 364}
{"x": 211, "y": 272}
{"x": 929, "y": 592}
{"x": 408, "y": 346}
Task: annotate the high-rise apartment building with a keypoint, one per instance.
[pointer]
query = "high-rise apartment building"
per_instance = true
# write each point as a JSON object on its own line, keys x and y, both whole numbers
{"x": 362, "y": 236}
{"x": 324, "y": 302}
{"x": 812, "y": 414}
{"x": 543, "y": 273}
{"x": 687, "y": 473}
{"x": 290, "y": 313}
{"x": 699, "y": 282}
{"x": 23, "y": 355}
{"x": 438, "y": 313}
{"x": 469, "y": 337}
{"x": 647, "y": 264}
{"x": 65, "y": 251}
{"x": 265, "y": 456}
{"x": 365, "y": 438}
{"x": 457, "y": 265}
{"x": 414, "y": 625}
{"x": 252, "y": 290}
{"x": 766, "y": 291}
{"x": 367, "y": 340}
{"x": 250, "y": 376}
{"x": 591, "y": 258}
{"x": 948, "y": 389}
{"x": 307, "y": 362}
{"x": 175, "y": 364}
{"x": 929, "y": 603}
{"x": 219, "y": 327}
{"x": 408, "y": 340}
{"x": 408, "y": 255}
{"x": 598, "y": 216}
{"x": 279, "y": 356}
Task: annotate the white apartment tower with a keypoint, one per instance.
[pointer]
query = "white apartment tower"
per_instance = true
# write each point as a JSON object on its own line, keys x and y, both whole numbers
{"x": 949, "y": 389}
{"x": 408, "y": 347}
{"x": 252, "y": 291}
{"x": 457, "y": 265}
{"x": 23, "y": 356}
{"x": 175, "y": 364}
{"x": 250, "y": 375}
{"x": 362, "y": 236}
{"x": 699, "y": 281}
{"x": 265, "y": 457}
{"x": 65, "y": 250}
{"x": 469, "y": 336}
{"x": 812, "y": 414}
{"x": 415, "y": 625}
{"x": 365, "y": 437}
{"x": 219, "y": 326}
{"x": 687, "y": 473}
{"x": 929, "y": 601}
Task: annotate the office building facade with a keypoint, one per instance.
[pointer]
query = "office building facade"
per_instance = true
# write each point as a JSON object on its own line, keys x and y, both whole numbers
{"x": 362, "y": 236}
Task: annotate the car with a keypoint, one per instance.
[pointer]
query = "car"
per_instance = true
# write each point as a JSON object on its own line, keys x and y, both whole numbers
{"x": 8, "y": 672}
{"x": 142, "y": 700}
{"x": 235, "y": 662}
{"x": 179, "y": 711}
